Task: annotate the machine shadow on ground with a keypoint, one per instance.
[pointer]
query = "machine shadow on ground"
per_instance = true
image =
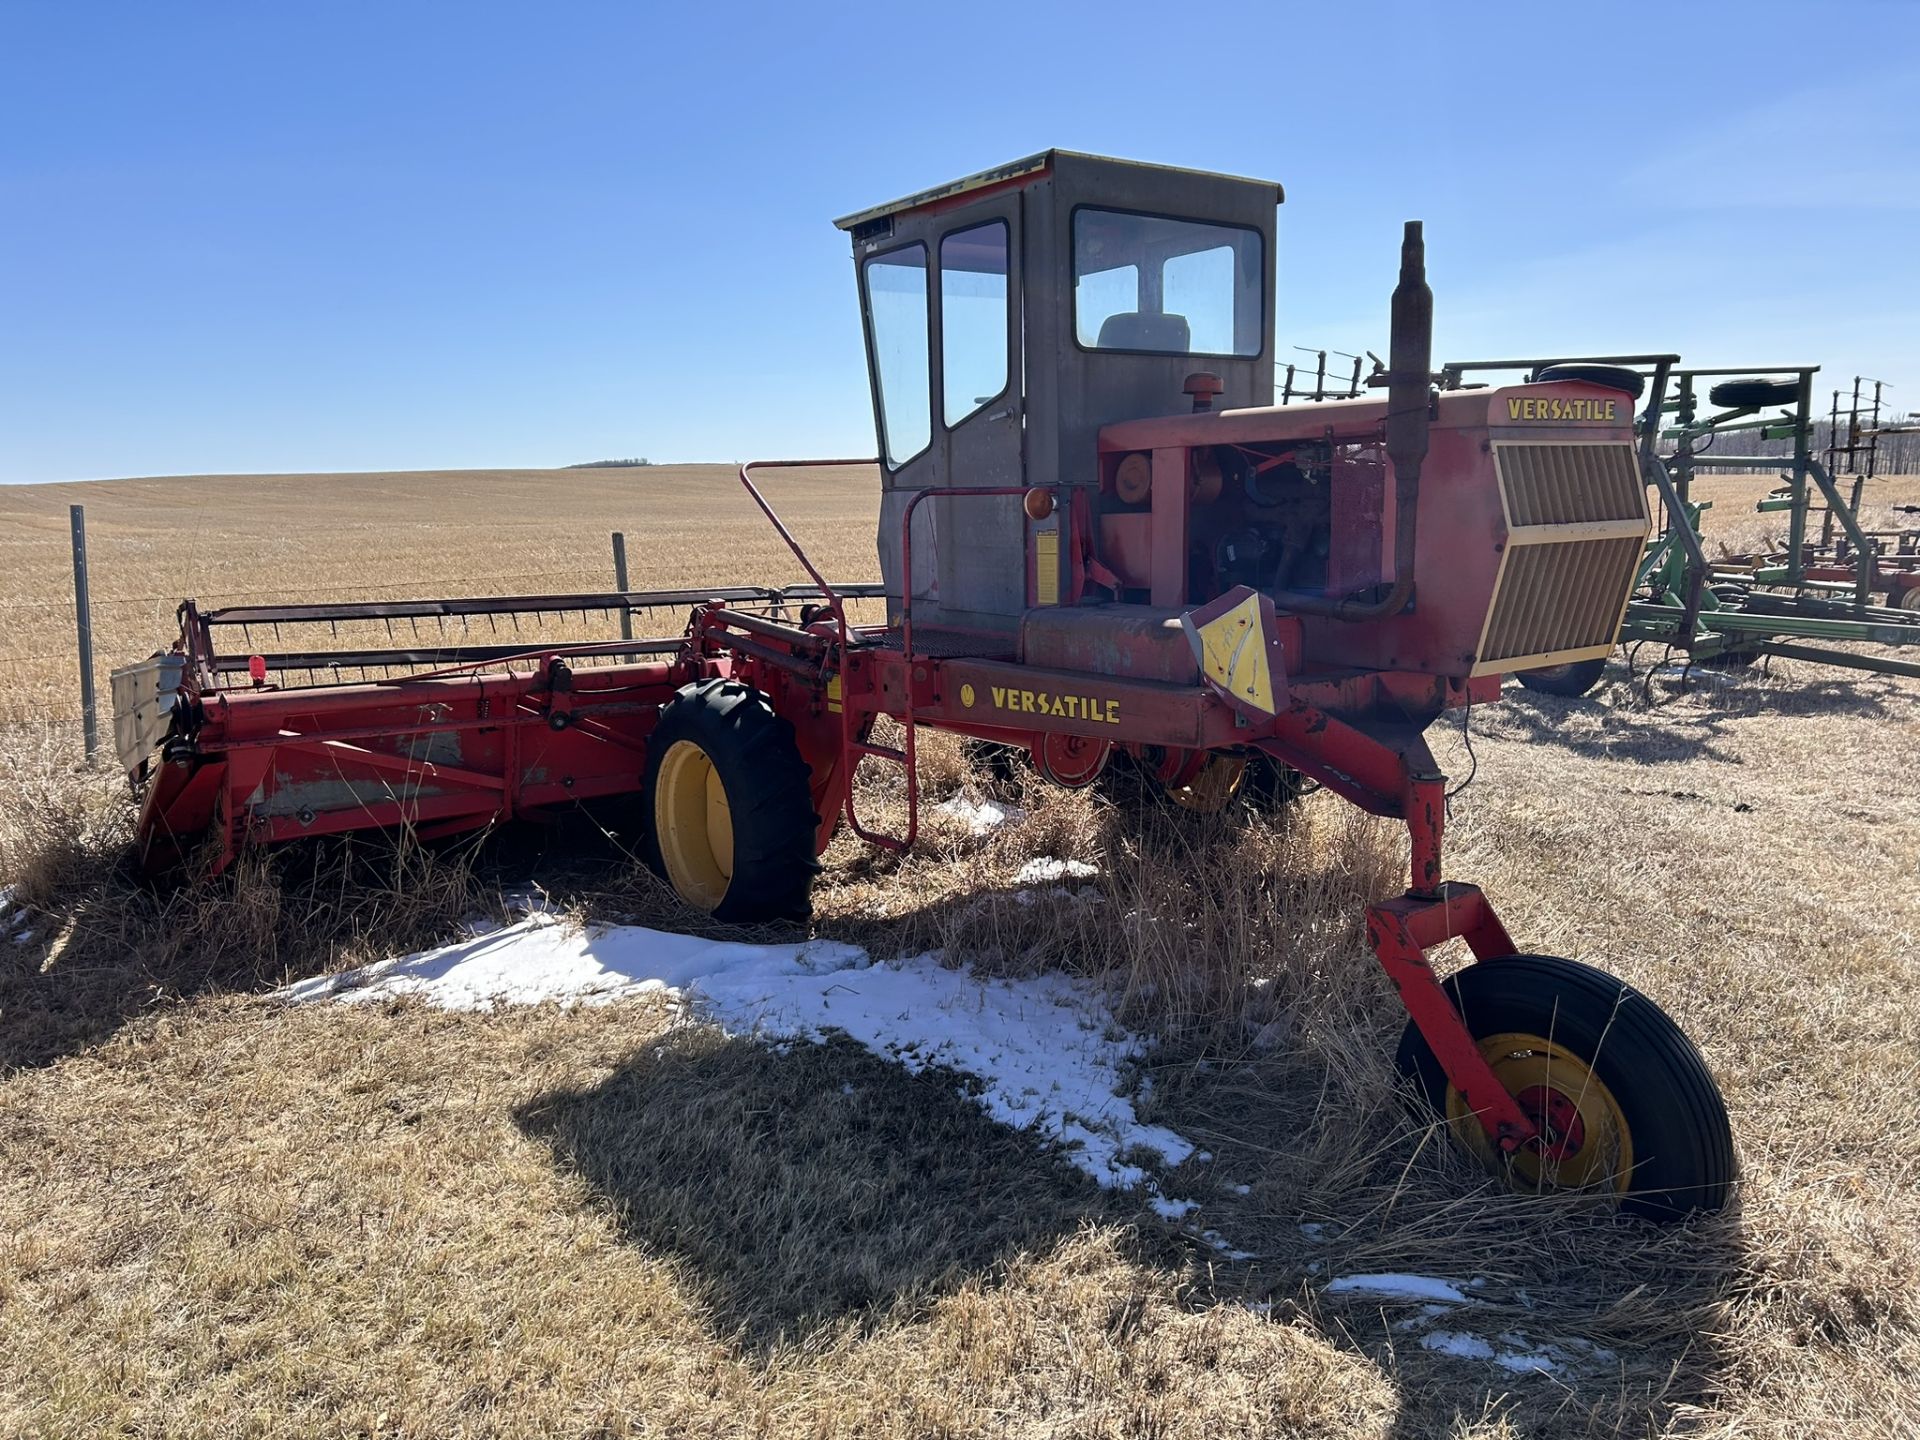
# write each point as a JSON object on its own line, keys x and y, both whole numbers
{"x": 807, "y": 1185}
{"x": 1664, "y": 733}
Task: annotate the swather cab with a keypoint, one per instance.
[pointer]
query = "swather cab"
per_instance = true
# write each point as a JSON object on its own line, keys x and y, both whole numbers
{"x": 1072, "y": 363}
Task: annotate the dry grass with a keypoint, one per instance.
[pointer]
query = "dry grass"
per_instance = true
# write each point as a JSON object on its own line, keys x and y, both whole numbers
{"x": 230, "y": 1218}
{"x": 226, "y": 539}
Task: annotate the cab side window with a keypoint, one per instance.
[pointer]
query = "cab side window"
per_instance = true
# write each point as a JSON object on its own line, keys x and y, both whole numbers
{"x": 973, "y": 319}
{"x": 896, "y": 285}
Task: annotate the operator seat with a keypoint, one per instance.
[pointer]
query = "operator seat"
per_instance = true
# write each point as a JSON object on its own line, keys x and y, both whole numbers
{"x": 1145, "y": 330}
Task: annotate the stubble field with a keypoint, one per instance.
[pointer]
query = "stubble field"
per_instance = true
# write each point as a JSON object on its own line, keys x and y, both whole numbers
{"x": 227, "y": 1216}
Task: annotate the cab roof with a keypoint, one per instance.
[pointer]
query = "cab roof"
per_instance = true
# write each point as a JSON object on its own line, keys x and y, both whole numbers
{"x": 1032, "y": 166}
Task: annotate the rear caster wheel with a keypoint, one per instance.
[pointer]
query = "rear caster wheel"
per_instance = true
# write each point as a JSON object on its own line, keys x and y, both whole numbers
{"x": 1623, "y": 1101}
{"x": 1572, "y": 680}
{"x": 728, "y": 808}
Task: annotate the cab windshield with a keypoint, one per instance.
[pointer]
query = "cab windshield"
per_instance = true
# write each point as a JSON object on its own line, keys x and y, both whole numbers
{"x": 1165, "y": 286}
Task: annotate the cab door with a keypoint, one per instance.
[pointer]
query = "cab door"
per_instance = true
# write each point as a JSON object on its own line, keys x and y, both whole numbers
{"x": 978, "y": 398}
{"x": 942, "y": 299}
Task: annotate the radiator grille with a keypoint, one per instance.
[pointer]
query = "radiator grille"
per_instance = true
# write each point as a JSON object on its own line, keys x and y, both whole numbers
{"x": 1560, "y": 597}
{"x": 1576, "y": 529}
{"x": 1562, "y": 484}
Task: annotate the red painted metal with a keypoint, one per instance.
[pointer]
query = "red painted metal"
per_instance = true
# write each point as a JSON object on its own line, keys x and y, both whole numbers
{"x": 1402, "y": 931}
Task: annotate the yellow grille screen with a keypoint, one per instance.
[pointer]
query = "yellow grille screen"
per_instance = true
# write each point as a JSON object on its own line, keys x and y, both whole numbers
{"x": 1570, "y": 484}
{"x": 1576, "y": 529}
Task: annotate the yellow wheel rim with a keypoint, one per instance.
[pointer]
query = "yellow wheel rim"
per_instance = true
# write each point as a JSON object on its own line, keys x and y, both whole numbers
{"x": 694, "y": 826}
{"x": 1585, "y": 1143}
{"x": 1217, "y": 782}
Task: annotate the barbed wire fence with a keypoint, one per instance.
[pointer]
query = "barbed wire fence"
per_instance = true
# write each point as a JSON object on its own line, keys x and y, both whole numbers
{"x": 79, "y": 667}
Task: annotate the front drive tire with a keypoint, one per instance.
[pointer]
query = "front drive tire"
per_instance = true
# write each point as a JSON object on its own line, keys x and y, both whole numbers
{"x": 1572, "y": 680}
{"x": 729, "y": 819}
{"x": 1624, "y": 1099}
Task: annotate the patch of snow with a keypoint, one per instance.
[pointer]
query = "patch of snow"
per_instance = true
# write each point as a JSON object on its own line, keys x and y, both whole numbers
{"x": 1046, "y": 1050}
{"x": 1525, "y": 1360}
{"x": 1397, "y": 1287}
{"x": 1045, "y": 869}
{"x": 1243, "y": 1189}
{"x": 1224, "y": 1246}
{"x": 980, "y": 816}
{"x": 1522, "y": 1364}
{"x": 1172, "y": 1209}
{"x": 1425, "y": 1315}
{"x": 1457, "y": 1343}
{"x": 1517, "y": 1354}
{"x": 1316, "y": 1231}
{"x": 1259, "y": 1307}
{"x": 23, "y": 937}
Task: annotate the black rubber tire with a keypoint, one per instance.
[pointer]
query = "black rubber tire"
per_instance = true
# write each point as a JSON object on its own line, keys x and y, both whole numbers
{"x": 1742, "y": 394}
{"x": 1682, "y": 1141}
{"x": 1571, "y": 680}
{"x": 997, "y": 764}
{"x": 769, "y": 794}
{"x": 1271, "y": 786}
{"x": 1614, "y": 377}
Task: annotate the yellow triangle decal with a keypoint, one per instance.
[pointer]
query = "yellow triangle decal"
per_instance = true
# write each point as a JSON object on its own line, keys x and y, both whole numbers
{"x": 1233, "y": 654}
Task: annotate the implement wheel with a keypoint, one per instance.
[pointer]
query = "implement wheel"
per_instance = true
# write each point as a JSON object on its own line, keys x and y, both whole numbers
{"x": 729, "y": 810}
{"x": 1752, "y": 394}
{"x": 1624, "y": 1102}
{"x": 1614, "y": 377}
{"x": 1572, "y": 680}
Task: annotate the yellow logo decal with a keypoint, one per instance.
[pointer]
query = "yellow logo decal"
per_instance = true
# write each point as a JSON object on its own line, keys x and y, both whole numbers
{"x": 1233, "y": 654}
{"x": 966, "y": 696}
{"x": 1542, "y": 407}
{"x": 1060, "y": 707}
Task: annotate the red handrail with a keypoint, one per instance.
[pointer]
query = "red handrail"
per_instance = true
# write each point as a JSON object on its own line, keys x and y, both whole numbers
{"x": 834, "y": 603}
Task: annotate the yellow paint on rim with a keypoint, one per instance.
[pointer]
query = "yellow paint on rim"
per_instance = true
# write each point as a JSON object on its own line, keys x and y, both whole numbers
{"x": 694, "y": 826}
{"x": 1216, "y": 782}
{"x": 1536, "y": 1070}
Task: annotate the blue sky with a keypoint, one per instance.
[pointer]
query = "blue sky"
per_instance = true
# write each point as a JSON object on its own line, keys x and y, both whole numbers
{"x": 395, "y": 236}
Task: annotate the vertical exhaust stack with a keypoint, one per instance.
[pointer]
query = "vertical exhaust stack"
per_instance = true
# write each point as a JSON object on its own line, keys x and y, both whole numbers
{"x": 1409, "y": 392}
{"x": 1409, "y": 384}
